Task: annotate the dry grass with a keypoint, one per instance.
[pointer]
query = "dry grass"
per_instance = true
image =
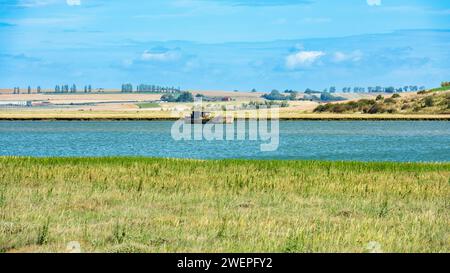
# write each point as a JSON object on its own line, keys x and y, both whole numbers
{"x": 163, "y": 205}
{"x": 134, "y": 113}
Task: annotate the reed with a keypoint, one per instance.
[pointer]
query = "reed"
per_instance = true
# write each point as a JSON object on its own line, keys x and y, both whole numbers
{"x": 174, "y": 205}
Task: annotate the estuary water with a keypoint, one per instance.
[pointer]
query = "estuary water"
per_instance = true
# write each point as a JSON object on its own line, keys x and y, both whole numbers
{"x": 405, "y": 141}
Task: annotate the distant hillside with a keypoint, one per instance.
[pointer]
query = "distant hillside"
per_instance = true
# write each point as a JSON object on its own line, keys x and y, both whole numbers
{"x": 435, "y": 101}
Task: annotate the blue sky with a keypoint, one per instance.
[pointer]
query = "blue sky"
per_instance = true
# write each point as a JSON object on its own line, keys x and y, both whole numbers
{"x": 225, "y": 44}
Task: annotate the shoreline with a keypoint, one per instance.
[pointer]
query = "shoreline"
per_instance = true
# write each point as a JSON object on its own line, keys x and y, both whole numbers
{"x": 298, "y": 118}
{"x": 147, "y": 159}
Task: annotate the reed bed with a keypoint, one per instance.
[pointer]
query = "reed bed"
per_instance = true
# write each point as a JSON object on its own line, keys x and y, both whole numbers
{"x": 174, "y": 205}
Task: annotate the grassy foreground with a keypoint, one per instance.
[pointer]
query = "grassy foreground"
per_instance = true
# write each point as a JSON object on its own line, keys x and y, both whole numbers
{"x": 163, "y": 205}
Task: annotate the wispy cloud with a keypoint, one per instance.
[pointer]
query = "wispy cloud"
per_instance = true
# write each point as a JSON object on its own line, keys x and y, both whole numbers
{"x": 303, "y": 59}
{"x": 168, "y": 56}
{"x": 353, "y": 56}
{"x": 73, "y": 2}
{"x": 35, "y": 3}
{"x": 374, "y": 2}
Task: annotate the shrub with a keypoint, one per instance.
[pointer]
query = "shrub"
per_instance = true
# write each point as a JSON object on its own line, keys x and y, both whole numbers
{"x": 396, "y": 96}
{"x": 380, "y": 97}
{"x": 406, "y": 106}
{"x": 376, "y": 109}
{"x": 323, "y": 108}
{"x": 429, "y": 101}
{"x": 339, "y": 108}
{"x": 389, "y": 100}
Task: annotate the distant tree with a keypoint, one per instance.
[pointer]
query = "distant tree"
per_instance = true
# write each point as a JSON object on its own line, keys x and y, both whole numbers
{"x": 293, "y": 96}
{"x": 168, "y": 98}
{"x": 29, "y": 89}
{"x": 89, "y": 88}
{"x": 85, "y": 89}
{"x": 185, "y": 97}
{"x": 275, "y": 95}
{"x": 333, "y": 89}
{"x": 128, "y": 88}
{"x": 327, "y": 97}
{"x": 253, "y": 90}
{"x": 73, "y": 89}
{"x": 38, "y": 89}
{"x": 389, "y": 89}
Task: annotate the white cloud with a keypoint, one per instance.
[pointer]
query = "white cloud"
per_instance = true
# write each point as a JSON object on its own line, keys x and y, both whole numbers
{"x": 35, "y": 3}
{"x": 73, "y": 2}
{"x": 374, "y": 2}
{"x": 354, "y": 56}
{"x": 303, "y": 58}
{"x": 160, "y": 57}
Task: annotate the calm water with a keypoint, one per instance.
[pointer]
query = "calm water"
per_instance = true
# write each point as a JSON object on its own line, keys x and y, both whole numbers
{"x": 353, "y": 140}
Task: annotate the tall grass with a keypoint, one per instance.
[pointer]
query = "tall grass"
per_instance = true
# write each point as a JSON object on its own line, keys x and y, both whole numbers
{"x": 168, "y": 205}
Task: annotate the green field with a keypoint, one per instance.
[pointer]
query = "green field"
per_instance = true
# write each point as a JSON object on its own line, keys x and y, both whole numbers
{"x": 162, "y": 205}
{"x": 148, "y": 105}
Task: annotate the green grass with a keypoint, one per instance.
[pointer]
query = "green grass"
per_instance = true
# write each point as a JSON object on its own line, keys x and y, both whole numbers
{"x": 163, "y": 205}
{"x": 148, "y": 105}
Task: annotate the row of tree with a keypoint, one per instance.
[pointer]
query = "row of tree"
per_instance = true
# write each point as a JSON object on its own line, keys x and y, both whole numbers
{"x": 29, "y": 90}
{"x": 128, "y": 88}
{"x": 370, "y": 89}
{"x": 72, "y": 89}
{"x": 377, "y": 89}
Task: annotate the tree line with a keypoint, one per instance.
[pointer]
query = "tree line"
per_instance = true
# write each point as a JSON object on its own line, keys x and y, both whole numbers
{"x": 72, "y": 89}
{"x": 377, "y": 89}
{"x": 128, "y": 88}
{"x": 29, "y": 89}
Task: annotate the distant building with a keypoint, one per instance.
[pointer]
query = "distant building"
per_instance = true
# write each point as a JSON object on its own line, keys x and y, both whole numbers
{"x": 15, "y": 103}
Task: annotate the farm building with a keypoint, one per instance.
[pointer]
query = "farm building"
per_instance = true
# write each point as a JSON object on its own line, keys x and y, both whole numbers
{"x": 15, "y": 103}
